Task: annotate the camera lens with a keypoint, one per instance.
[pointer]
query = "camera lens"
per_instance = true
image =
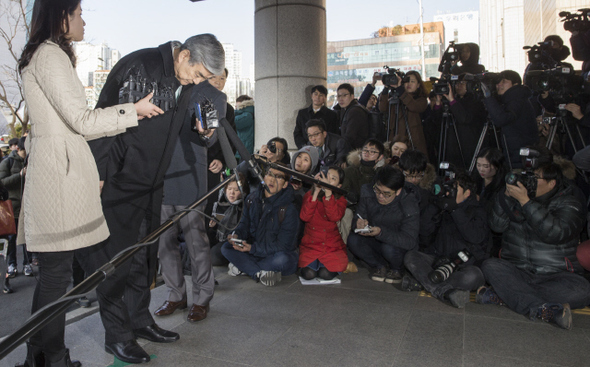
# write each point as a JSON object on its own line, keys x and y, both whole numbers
{"x": 511, "y": 178}
{"x": 272, "y": 147}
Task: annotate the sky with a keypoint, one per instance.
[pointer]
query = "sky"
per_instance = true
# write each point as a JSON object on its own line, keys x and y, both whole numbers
{"x": 129, "y": 25}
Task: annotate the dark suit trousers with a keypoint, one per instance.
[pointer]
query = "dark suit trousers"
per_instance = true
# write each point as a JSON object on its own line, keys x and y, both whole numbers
{"x": 124, "y": 296}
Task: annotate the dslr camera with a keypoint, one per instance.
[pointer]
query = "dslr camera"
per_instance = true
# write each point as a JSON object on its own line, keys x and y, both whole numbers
{"x": 527, "y": 177}
{"x": 446, "y": 182}
{"x": 393, "y": 76}
{"x": 444, "y": 267}
{"x": 579, "y": 21}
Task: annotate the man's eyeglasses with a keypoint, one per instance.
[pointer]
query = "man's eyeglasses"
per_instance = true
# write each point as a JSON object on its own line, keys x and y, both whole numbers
{"x": 370, "y": 152}
{"x": 314, "y": 135}
{"x": 278, "y": 177}
{"x": 378, "y": 192}
{"x": 339, "y": 96}
{"x": 414, "y": 176}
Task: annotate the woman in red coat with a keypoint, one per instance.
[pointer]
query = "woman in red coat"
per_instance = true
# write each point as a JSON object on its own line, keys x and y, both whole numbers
{"x": 322, "y": 252}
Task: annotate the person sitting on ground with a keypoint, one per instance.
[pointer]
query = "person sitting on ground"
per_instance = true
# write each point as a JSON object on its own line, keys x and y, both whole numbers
{"x": 227, "y": 210}
{"x": 389, "y": 212}
{"x": 322, "y": 252}
{"x": 399, "y": 145}
{"x": 268, "y": 230}
{"x": 418, "y": 172}
{"x": 362, "y": 166}
{"x": 461, "y": 225}
{"x": 538, "y": 274}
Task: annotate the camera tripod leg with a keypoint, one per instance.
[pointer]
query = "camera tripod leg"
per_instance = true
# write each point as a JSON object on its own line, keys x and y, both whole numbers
{"x": 458, "y": 141}
{"x": 552, "y": 132}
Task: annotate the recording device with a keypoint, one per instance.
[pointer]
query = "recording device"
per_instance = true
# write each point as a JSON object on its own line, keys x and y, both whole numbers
{"x": 446, "y": 182}
{"x": 206, "y": 115}
{"x": 450, "y": 57}
{"x": 393, "y": 76}
{"x": 136, "y": 87}
{"x": 562, "y": 82}
{"x": 541, "y": 54}
{"x": 272, "y": 146}
{"x": 527, "y": 177}
{"x": 579, "y": 21}
{"x": 475, "y": 82}
{"x": 441, "y": 85}
{"x": 444, "y": 267}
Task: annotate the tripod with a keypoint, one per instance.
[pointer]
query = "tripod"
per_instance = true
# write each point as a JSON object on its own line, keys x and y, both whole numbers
{"x": 448, "y": 120}
{"x": 482, "y": 137}
{"x": 560, "y": 124}
{"x": 394, "y": 100}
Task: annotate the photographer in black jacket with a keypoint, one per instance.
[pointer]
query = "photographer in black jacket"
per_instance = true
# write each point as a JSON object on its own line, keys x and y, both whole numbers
{"x": 469, "y": 114}
{"x": 512, "y": 111}
{"x": 461, "y": 223}
{"x": 540, "y": 228}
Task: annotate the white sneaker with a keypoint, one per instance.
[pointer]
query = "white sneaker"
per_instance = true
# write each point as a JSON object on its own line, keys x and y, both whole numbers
{"x": 269, "y": 278}
{"x": 233, "y": 271}
{"x": 11, "y": 271}
{"x": 28, "y": 270}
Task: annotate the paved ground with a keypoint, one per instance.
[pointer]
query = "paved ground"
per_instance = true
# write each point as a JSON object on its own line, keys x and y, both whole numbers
{"x": 356, "y": 323}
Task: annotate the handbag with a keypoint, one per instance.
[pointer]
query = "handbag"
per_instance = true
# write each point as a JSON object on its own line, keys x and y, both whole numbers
{"x": 7, "y": 223}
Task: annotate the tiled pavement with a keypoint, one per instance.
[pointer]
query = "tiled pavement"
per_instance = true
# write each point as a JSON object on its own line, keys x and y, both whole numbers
{"x": 356, "y": 323}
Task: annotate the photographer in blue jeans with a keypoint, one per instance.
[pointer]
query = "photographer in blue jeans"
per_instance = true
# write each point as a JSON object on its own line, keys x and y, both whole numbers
{"x": 536, "y": 274}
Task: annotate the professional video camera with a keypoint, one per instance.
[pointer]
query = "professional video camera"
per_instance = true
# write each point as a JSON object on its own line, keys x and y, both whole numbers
{"x": 441, "y": 85}
{"x": 475, "y": 82}
{"x": 444, "y": 267}
{"x": 541, "y": 54}
{"x": 562, "y": 82}
{"x": 450, "y": 56}
{"x": 527, "y": 177}
{"x": 579, "y": 21}
{"x": 392, "y": 76}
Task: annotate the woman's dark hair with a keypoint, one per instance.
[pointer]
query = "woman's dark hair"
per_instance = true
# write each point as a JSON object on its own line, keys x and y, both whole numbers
{"x": 47, "y": 23}
{"x": 421, "y": 92}
{"x": 497, "y": 160}
{"x": 389, "y": 177}
{"x": 340, "y": 173}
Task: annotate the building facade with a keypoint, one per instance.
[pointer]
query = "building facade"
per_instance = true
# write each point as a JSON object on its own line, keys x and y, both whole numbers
{"x": 507, "y": 26}
{"x": 90, "y": 58}
{"x": 398, "y": 47}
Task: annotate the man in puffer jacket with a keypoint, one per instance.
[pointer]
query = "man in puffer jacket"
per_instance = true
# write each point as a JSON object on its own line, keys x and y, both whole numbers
{"x": 535, "y": 274}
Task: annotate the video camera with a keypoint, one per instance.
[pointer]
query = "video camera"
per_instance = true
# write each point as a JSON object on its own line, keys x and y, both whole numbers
{"x": 441, "y": 85}
{"x": 562, "y": 82}
{"x": 527, "y": 177}
{"x": 393, "y": 76}
{"x": 450, "y": 56}
{"x": 475, "y": 81}
{"x": 579, "y": 21}
{"x": 541, "y": 54}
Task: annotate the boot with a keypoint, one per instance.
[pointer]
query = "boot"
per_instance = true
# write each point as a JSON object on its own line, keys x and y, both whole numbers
{"x": 64, "y": 361}
{"x": 7, "y": 288}
{"x": 35, "y": 357}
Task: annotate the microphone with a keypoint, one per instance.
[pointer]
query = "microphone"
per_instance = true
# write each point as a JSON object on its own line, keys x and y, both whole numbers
{"x": 255, "y": 168}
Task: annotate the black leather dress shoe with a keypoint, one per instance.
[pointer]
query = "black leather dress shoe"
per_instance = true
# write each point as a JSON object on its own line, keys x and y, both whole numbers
{"x": 128, "y": 351}
{"x": 156, "y": 334}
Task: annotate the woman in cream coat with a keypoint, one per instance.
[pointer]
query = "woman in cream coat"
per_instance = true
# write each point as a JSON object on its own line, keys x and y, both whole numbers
{"x": 61, "y": 200}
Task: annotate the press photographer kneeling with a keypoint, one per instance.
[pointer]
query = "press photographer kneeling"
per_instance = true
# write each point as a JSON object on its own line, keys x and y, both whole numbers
{"x": 447, "y": 268}
{"x": 540, "y": 220}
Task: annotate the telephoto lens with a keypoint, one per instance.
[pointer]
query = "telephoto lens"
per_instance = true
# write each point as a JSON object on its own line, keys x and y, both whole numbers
{"x": 443, "y": 271}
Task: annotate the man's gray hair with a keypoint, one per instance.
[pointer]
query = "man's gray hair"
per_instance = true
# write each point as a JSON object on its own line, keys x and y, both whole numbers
{"x": 207, "y": 50}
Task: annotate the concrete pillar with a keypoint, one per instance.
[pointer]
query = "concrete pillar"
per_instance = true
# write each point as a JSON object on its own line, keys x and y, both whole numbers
{"x": 290, "y": 58}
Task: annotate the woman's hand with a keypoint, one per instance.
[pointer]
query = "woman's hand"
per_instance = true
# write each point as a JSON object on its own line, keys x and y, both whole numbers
{"x": 147, "y": 109}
